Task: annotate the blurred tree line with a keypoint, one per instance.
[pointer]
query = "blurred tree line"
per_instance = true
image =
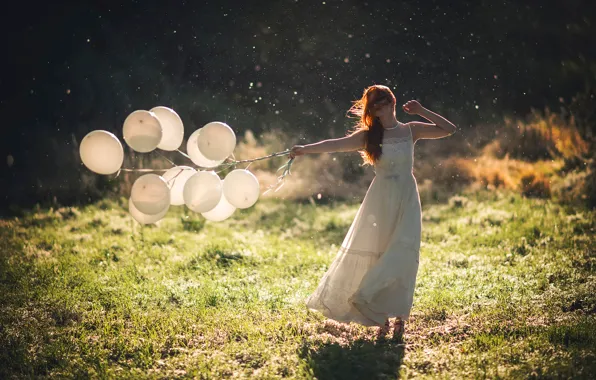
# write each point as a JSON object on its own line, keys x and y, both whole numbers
{"x": 291, "y": 65}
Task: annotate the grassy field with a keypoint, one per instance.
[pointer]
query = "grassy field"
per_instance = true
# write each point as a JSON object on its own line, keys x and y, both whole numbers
{"x": 506, "y": 289}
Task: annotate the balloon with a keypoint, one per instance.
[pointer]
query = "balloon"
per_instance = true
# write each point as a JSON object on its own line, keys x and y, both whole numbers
{"x": 101, "y": 152}
{"x": 216, "y": 141}
{"x": 241, "y": 188}
{"x": 176, "y": 178}
{"x": 150, "y": 194}
{"x": 192, "y": 147}
{"x": 202, "y": 191}
{"x": 222, "y": 211}
{"x": 172, "y": 128}
{"x": 144, "y": 218}
{"x": 142, "y": 131}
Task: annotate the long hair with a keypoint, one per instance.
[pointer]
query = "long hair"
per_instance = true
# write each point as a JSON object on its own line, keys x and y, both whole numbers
{"x": 362, "y": 108}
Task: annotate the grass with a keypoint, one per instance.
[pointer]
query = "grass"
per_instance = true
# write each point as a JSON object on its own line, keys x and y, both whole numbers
{"x": 505, "y": 290}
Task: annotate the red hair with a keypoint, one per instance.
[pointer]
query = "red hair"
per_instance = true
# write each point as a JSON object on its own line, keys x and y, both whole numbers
{"x": 373, "y": 96}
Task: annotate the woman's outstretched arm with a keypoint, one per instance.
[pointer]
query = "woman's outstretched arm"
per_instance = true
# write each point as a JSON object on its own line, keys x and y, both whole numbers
{"x": 439, "y": 128}
{"x": 350, "y": 143}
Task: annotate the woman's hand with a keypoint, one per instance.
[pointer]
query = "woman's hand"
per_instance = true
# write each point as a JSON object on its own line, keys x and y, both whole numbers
{"x": 297, "y": 150}
{"x": 412, "y": 107}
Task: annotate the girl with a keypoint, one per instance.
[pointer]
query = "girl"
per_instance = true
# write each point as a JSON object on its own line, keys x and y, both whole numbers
{"x": 373, "y": 275}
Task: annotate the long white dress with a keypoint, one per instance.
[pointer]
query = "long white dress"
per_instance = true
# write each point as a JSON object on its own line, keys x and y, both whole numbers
{"x": 373, "y": 275}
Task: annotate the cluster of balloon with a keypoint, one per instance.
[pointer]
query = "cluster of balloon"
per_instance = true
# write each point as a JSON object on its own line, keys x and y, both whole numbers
{"x": 202, "y": 191}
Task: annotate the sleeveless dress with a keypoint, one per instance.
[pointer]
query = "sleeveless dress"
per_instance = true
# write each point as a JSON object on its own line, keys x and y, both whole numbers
{"x": 373, "y": 275}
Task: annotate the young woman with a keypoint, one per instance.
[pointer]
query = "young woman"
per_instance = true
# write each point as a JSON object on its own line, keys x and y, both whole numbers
{"x": 373, "y": 275}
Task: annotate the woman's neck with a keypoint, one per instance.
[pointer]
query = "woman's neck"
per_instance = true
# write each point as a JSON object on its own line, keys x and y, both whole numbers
{"x": 388, "y": 121}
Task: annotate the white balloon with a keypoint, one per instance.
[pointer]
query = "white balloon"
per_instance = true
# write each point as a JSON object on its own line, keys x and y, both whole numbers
{"x": 101, "y": 152}
{"x": 142, "y": 131}
{"x": 216, "y": 141}
{"x": 202, "y": 191}
{"x": 192, "y": 147}
{"x": 172, "y": 128}
{"x": 222, "y": 211}
{"x": 144, "y": 218}
{"x": 241, "y": 188}
{"x": 176, "y": 178}
{"x": 150, "y": 194}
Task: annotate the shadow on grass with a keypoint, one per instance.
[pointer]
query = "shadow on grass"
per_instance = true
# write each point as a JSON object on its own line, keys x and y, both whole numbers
{"x": 361, "y": 359}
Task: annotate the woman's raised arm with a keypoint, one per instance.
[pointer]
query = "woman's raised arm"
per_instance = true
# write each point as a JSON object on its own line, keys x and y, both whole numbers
{"x": 439, "y": 128}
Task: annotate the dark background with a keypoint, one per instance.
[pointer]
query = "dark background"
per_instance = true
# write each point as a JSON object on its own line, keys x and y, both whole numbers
{"x": 260, "y": 65}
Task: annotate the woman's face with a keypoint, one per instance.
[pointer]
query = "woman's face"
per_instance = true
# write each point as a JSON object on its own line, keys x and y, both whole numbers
{"x": 381, "y": 105}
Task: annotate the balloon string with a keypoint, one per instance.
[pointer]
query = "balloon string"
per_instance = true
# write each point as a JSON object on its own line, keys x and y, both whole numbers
{"x": 142, "y": 170}
{"x": 167, "y": 159}
{"x": 184, "y": 154}
{"x": 233, "y": 161}
{"x": 280, "y": 179}
{"x": 264, "y": 157}
{"x": 174, "y": 178}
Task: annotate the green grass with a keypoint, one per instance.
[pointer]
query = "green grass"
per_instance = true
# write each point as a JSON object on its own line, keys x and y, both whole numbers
{"x": 505, "y": 290}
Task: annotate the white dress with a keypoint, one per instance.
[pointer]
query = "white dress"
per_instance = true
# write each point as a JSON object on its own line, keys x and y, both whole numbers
{"x": 373, "y": 275}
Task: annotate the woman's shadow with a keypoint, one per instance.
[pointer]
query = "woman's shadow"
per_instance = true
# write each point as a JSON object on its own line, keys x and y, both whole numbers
{"x": 361, "y": 358}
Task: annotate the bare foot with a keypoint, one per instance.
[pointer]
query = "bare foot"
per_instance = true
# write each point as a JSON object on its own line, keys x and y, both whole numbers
{"x": 383, "y": 330}
{"x": 398, "y": 329}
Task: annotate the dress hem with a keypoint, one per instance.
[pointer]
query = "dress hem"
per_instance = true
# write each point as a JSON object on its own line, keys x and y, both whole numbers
{"x": 360, "y": 307}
